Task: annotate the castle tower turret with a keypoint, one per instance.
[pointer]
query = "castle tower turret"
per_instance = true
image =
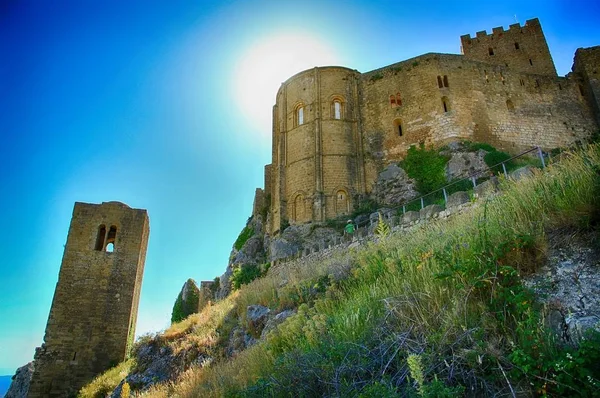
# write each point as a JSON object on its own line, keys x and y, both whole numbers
{"x": 92, "y": 319}
{"x": 317, "y": 166}
{"x": 522, "y": 48}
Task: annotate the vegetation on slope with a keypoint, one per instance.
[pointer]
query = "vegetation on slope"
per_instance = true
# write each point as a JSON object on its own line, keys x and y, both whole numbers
{"x": 438, "y": 311}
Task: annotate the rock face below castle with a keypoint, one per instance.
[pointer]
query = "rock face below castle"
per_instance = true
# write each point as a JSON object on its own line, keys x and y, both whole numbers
{"x": 335, "y": 129}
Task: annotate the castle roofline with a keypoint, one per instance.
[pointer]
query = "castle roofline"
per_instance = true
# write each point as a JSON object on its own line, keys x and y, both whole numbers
{"x": 498, "y": 30}
{"x": 319, "y": 68}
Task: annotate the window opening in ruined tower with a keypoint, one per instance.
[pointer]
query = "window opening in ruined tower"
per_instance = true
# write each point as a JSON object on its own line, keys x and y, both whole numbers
{"x": 440, "y": 84}
{"x": 398, "y": 127}
{"x": 100, "y": 238}
{"x": 393, "y": 101}
{"x": 300, "y": 116}
{"x": 446, "y": 104}
{"x": 110, "y": 239}
{"x": 74, "y": 355}
{"x": 446, "y": 81}
{"x": 516, "y": 46}
{"x": 510, "y": 105}
{"x": 398, "y": 99}
{"x": 341, "y": 204}
{"x": 530, "y": 62}
{"x": 491, "y": 51}
{"x": 337, "y": 109}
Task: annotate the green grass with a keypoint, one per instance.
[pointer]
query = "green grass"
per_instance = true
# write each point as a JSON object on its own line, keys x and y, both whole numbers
{"x": 448, "y": 292}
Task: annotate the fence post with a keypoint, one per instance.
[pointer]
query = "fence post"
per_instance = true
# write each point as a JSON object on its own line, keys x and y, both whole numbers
{"x": 445, "y": 195}
{"x": 474, "y": 181}
{"x": 422, "y": 204}
{"x": 541, "y": 155}
{"x": 504, "y": 168}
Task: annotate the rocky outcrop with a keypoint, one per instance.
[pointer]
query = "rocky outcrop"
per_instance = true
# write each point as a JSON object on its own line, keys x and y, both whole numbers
{"x": 275, "y": 321}
{"x": 256, "y": 318}
{"x": 569, "y": 285}
{"x": 187, "y": 302}
{"x": 296, "y": 238}
{"x": 465, "y": 164}
{"x": 252, "y": 252}
{"x": 20, "y": 382}
{"x": 393, "y": 186}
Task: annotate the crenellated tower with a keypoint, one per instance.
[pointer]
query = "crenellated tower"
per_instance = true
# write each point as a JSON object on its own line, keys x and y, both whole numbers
{"x": 521, "y": 48}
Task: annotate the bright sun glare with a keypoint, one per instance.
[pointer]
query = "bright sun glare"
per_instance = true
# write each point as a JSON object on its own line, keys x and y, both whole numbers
{"x": 264, "y": 66}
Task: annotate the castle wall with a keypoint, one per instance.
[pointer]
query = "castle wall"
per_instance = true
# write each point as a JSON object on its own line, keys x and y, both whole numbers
{"x": 587, "y": 69}
{"x": 503, "y": 91}
{"x": 522, "y": 48}
{"x": 94, "y": 310}
{"x": 482, "y": 102}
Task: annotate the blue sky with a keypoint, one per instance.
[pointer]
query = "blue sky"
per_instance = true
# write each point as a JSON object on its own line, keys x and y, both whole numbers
{"x": 166, "y": 105}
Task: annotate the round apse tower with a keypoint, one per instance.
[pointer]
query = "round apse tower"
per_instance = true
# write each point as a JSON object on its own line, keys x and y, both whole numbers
{"x": 317, "y": 167}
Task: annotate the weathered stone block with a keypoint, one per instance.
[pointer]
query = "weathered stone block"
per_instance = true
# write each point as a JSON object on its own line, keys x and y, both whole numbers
{"x": 457, "y": 199}
{"x": 410, "y": 217}
{"x": 430, "y": 211}
{"x": 486, "y": 188}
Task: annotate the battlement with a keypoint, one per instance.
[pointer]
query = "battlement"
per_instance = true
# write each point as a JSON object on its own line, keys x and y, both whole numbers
{"x": 522, "y": 48}
{"x": 530, "y": 25}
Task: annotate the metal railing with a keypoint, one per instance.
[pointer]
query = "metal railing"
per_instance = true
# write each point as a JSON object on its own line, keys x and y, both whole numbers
{"x": 365, "y": 228}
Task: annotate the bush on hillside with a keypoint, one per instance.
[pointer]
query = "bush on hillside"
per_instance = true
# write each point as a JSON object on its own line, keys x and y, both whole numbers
{"x": 426, "y": 167}
{"x": 246, "y": 234}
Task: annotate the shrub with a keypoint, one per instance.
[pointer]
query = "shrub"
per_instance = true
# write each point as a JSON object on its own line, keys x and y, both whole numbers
{"x": 181, "y": 309}
{"x": 244, "y": 274}
{"x": 495, "y": 157}
{"x": 246, "y": 234}
{"x": 426, "y": 167}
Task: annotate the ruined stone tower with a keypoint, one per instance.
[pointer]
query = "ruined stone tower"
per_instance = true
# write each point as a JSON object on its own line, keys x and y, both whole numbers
{"x": 92, "y": 319}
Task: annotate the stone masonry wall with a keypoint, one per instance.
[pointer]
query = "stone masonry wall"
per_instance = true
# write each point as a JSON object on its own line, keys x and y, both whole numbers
{"x": 503, "y": 91}
{"x": 92, "y": 319}
{"x": 587, "y": 69}
{"x": 522, "y": 48}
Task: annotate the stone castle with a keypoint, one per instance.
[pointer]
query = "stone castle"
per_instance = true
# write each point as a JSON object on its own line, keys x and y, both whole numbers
{"x": 92, "y": 320}
{"x": 335, "y": 129}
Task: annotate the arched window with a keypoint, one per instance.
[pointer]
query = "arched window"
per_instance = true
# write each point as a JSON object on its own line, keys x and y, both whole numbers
{"x": 446, "y": 104}
{"x": 510, "y": 105}
{"x": 398, "y": 127}
{"x": 110, "y": 239}
{"x": 299, "y": 115}
{"x": 342, "y": 204}
{"x": 393, "y": 101}
{"x": 398, "y": 99}
{"x": 440, "y": 84}
{"x": 445, "y": 81}
{"x": 337, "y": 109}
{"x": 100, "y": 238}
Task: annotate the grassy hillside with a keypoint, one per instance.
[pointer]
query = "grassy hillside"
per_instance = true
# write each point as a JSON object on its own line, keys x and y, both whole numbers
{"x": 438, "y": 311}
